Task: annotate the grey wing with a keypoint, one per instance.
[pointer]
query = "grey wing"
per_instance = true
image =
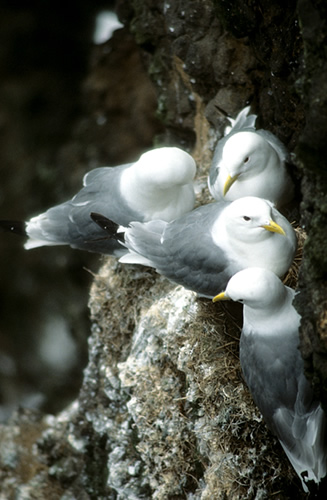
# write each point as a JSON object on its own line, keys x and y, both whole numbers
{"x": 275, "y": 377}
{"x": 291, "y": 422}
{"x": 102, "y": 189}
{"x": 302, "y": 433}
{"x": 71, "y": 225}
{"x": 270, "y": 374}
{"x": 67, "y": 224}
{"x": 278, "y": 146}
{"x": 145, "y": 239}
{"x": 202, "y": 268}
{"x": 243, "y": 121}
{"x": 70, "y": 222}
{"x": 185, "y": 253}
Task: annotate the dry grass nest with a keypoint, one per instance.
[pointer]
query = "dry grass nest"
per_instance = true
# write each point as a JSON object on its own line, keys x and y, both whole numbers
{"x": 259, "y": 466}
{"x": 217, "y": 435}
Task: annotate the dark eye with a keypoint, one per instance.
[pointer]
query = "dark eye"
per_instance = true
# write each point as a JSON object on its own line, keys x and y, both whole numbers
{"x": 246, "y": 159}
{"x": 245, "y": 217}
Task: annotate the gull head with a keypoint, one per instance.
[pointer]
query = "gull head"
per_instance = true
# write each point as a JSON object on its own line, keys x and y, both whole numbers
{"x": 245, "y": 155}
{"x": 252, "y": 219}
{"x": 255, "y": 287}
{"x": 166, "y": 166}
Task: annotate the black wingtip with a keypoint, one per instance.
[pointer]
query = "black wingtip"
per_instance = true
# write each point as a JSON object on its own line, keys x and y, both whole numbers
{"x": 106, "y": 224}
{"x": 109, "y": 226}
{"x": 222, "y": 111}
{"x": 13, "y": 226}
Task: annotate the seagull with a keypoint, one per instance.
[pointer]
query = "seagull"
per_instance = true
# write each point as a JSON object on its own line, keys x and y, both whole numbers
{"x": 157, "y": 186}
{"x": 250, "y": 162}
{"x": 273, "y": 369}
{"x": 205, "y": 247}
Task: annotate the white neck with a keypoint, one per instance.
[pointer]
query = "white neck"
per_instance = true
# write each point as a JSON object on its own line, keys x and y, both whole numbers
{"x": 156, "y": 200}
{"x": 281, "y": 318}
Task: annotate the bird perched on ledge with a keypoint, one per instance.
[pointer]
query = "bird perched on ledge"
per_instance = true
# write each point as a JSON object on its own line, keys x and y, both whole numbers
{"x": 204, "y": 248}
{"x": 158, "y": 185}
{"x": 274, "y": 372}
{"x": 250, "y": 162}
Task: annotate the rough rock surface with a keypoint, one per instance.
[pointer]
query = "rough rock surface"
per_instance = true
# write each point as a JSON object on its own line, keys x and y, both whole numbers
{"x": 162, "y": 412}
{"x": 311, "y": 156}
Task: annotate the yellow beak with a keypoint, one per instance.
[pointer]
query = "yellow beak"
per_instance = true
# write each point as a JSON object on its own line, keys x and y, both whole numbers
{"x": 229, "y": 182}
{"x": 273, "y": 227}
{"x": 220, "y": 296}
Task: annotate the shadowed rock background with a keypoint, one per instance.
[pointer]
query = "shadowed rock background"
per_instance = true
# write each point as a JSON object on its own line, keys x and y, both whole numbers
{"x": 160, "y": 410}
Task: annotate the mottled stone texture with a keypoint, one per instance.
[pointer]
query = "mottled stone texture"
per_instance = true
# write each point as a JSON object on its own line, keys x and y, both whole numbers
{"x": 163, "y": 412}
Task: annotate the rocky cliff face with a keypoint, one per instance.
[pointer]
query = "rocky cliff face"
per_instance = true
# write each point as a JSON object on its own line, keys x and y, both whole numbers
{"x": 162, "y": 412}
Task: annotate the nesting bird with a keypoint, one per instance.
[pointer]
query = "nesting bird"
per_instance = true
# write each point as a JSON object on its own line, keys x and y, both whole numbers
{"x": 250, "y": 162}
{"x": 274, "y": 372}
{"x": 158, "y": 185}
{"x": 204, "y": 248}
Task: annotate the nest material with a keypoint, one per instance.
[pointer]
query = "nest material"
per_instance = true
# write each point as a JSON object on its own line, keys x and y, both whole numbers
{"x": 196, "y": 429}
{"x": 291, "y": 277}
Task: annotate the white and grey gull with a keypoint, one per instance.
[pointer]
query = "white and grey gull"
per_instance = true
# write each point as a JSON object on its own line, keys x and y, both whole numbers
{"x": 158, "y": 185}
{"x": 204, "y": 248}
{"x": 250, "y": 162}
{"x": 274, "y": 370}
